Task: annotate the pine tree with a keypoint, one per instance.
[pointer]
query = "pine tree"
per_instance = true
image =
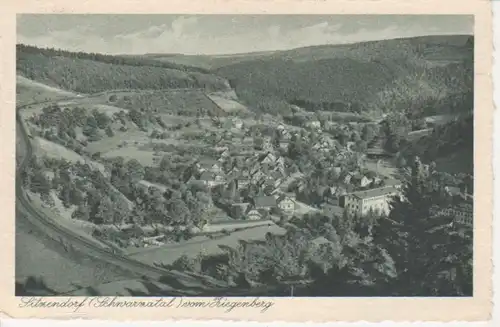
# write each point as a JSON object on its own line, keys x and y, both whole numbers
{"x": 412, "y": 235}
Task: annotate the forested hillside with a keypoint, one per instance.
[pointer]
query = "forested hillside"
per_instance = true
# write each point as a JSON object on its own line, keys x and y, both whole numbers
{"x": 451, "y": 146}
{"x": 89, "y": 73}
{"x": 372, "y": 76}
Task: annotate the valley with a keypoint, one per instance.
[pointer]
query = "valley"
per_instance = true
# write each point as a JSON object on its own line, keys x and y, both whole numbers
{"x": 153, "y": 168}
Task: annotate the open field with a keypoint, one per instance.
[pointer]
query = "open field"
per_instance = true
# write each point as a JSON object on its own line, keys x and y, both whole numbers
{"x": 146, "y": 158}
{"x": 180, "y": 102}
{"x": 227, "y": 103}
{"x": 43, "y": 147}
{"x": 107, "y": 144}
{"x": 169, "y": 253}
{"x": 28, "y": 91}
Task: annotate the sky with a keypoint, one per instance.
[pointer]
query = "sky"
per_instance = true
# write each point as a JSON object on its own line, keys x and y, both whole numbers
{"x": 222, "y": 34}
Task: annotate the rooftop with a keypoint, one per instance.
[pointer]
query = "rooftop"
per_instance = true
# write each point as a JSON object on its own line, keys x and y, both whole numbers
{"x": 207, "y": 162}
{"x": 206, "y": 176}
{"x": 375, "y": 192}
{"x": 265, "y": 201}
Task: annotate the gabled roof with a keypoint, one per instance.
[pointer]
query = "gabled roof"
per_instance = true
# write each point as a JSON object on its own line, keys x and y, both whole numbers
{"x": 207, "y": 162}
{"x": 375, "y": 192}
{"x": 265, "y": 201}
{"x": 392, "y": 182}
{"x": 282, "y": 197}
{"x": 320, "y": 241}
{"x": 207, "y": 176}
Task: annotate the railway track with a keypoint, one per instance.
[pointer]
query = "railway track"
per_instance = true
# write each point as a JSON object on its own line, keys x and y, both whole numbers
{"x": 79, "y": 243}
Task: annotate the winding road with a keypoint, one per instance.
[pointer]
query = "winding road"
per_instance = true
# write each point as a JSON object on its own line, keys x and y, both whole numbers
{"x": 79, "y": 243}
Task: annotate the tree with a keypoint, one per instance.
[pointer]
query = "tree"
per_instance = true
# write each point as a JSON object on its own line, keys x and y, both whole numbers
{"x": 65, "y": 195}
{"x": 368, "y": 132}
{"x": 105, "y": 211}
{"x": 76, "y": 196}
{"x": 109, "y": 131}
{"x": 295, "y": 147}
{"x": 179, "y": 210}
{"x": 258, "y": 142}
{"x": 412, "y": 235}
{"x": 135, "y": 170}
{"x": 165, "y": 163}
{"x": 40, "y": 183}
{"x": 81, "y": 213}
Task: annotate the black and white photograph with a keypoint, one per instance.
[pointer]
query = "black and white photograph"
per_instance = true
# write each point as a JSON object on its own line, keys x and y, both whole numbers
{"x": 244, "y": 155}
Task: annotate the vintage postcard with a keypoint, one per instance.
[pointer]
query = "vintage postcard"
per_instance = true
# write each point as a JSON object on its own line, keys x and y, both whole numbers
{"x": 264, "y": 161}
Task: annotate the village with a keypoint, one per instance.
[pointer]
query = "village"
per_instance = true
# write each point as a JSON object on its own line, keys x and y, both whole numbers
{"x": 256, "y": 183}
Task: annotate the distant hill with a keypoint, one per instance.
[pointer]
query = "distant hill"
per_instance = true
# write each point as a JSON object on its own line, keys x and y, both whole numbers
{"x": 433, "y": 47}
{"x": 379, "y": 75}
{"x": 91, "y": 72}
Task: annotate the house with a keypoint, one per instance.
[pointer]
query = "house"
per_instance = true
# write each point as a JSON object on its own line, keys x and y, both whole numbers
{"x": 264, "y": 202}
{"x": 254, "y": 214}
{"x": 267, "y": 144}
{"x": 350, "y": 146}
{"x": 207, "y": 177}
{"x": 376, "y": 181}
{"x": 267, "y": 158}
{"x": 360, "y": 181}
{"x": 280, "y": 161}
{"x": 362, "y": 202}
{"x": 279, "y": 171}
{"x": 219, "y": 178}
{"x": 319, "y": 242}
{"x": 237, "y": 123}
{"x": 277, "y": 182}
{"x": 209, "y": 165}
{"x": 347, "y": 178}
{"x": 211, "y": 179}
{"x": 316, "y": 124}
{"x": 462, "y": 214}
{"x": 234, "y": 171}
{"x": 284, "y": 144}
{"x": 242, "y": 182}
{"x": 393, "y": 182}
{"x": 225, "y": 153}
{"x": 286, "y": 203}
{"x": 147, "y": 185}
{"x": 256, "y": 176}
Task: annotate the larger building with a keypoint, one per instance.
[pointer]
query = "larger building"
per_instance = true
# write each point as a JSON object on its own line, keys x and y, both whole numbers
{"x": 376, "y": 200}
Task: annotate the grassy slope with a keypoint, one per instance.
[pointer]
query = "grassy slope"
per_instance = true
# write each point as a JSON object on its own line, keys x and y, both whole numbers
{"x": 29, "y": 91}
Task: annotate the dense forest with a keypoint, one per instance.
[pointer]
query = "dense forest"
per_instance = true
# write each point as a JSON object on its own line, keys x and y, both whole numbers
{"x": 90, "y": 73}
{"x": 128, "y": 60}
{"x": 376, "y": 76}
{"x": 455, "y": 137}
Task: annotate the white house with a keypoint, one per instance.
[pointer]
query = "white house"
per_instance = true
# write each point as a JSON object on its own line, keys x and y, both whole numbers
{"x": 237, "y": 123}
{"x": 286, "y": 203}
{"x": 209, "y": 165}
{"x": 254, "y": 214}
